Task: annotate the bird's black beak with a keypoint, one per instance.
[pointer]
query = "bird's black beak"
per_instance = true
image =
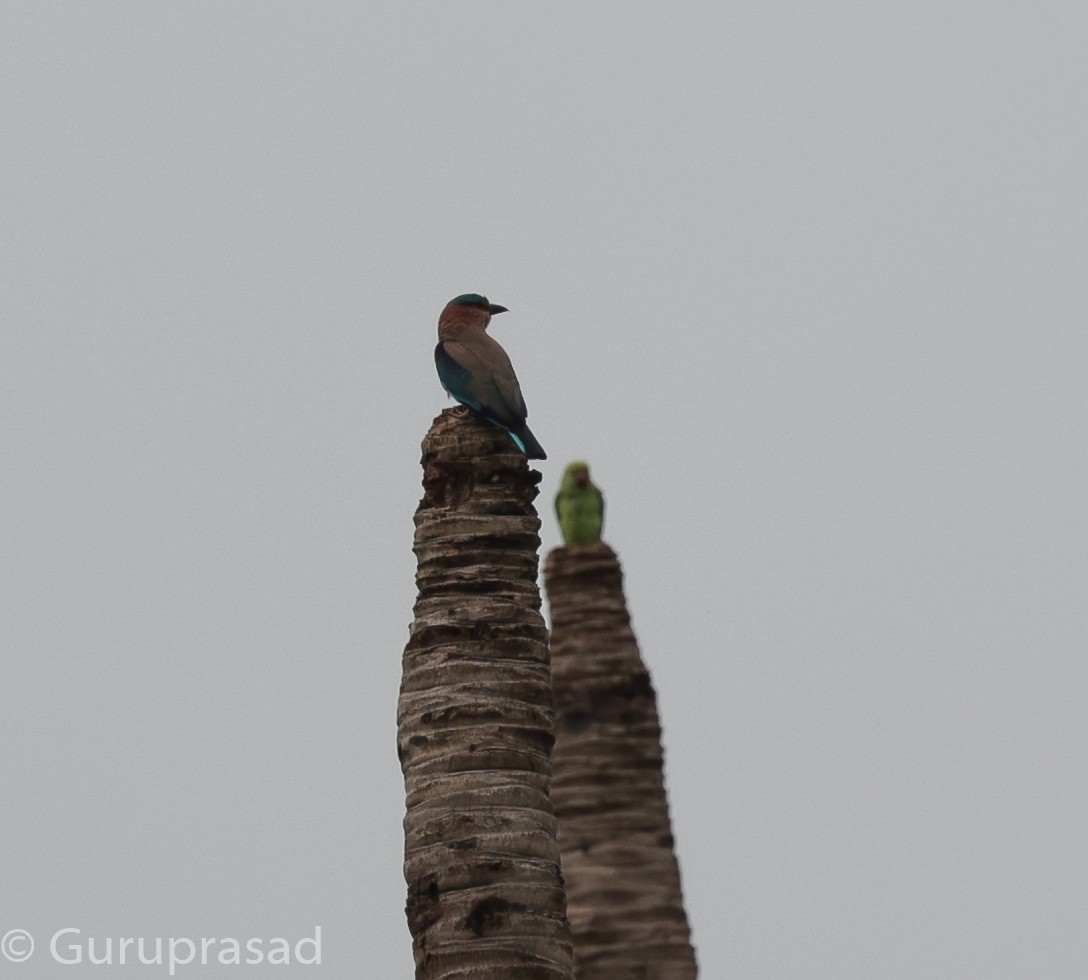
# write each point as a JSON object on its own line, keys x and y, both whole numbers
{"x": 494, "y": 308}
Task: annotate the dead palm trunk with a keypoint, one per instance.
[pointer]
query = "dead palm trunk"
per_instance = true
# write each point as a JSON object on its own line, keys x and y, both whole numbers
{"x": 623, "y": 883}
{"x": 475, "y": 721}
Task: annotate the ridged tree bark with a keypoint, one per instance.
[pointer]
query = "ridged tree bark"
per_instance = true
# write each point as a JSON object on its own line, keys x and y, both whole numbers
{"x": 475, "y": 721}
{"x": 623, "y": 882}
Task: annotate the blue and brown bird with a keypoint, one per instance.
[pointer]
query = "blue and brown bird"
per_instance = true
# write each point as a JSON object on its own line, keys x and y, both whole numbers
{"x": 475, "y": 370}
{"x": 579, "y": 505}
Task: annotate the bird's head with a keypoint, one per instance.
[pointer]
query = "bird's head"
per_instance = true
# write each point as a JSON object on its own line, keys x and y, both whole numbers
{"x": 468, "y": 310}
{"x": 576, "y": 475}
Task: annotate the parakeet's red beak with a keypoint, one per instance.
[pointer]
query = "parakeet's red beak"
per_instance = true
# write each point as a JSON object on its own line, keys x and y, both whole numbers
{"x": 583, "y": 479}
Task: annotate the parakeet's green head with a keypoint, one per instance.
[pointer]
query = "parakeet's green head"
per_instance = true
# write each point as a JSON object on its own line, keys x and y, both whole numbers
{"x": 576, "y": 474}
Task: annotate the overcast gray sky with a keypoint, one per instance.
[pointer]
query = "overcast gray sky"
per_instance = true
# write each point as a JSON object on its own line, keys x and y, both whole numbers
{"x": 805, "y": 283}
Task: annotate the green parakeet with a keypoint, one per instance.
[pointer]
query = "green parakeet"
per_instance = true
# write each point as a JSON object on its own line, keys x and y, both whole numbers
{"x": 579, "y": 506}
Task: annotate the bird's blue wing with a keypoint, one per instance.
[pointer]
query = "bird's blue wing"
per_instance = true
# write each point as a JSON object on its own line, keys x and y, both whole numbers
{"x": 454, "y": 377}
{"x": 497, "y": 400}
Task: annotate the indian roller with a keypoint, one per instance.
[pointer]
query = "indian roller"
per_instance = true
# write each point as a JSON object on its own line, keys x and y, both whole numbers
{"x": 579, "y": 505}
{"x": 475, "y": 370}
